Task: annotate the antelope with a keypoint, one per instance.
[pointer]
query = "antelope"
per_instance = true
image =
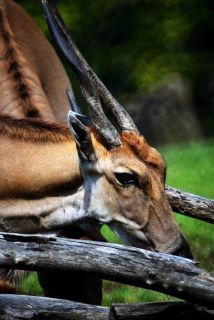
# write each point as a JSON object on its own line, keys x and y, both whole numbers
{"x": 72, "y": 177}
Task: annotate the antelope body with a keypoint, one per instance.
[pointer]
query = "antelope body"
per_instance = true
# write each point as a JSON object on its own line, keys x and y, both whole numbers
{"x": 52, "y": 180}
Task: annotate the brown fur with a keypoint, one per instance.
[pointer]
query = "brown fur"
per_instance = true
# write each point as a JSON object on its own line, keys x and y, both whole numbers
{"x": 146, "y": 153}
{"x": 33, "y": 130}
{"x": 138, "y": 144}
{"x": 19, "y": 78}
{"x": 6, "y": 287}
{"x": 29, "y": 87}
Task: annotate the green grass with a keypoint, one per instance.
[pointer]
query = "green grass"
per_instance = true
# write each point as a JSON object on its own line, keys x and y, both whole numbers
{"x": 190, "y": 168}
{"x": 30, "y": 285}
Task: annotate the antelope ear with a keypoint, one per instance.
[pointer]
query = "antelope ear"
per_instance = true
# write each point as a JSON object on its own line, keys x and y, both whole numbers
{"x": 81, "y": 136}
{"x": 73, "y": 103}
{"x": 76, "y": 109}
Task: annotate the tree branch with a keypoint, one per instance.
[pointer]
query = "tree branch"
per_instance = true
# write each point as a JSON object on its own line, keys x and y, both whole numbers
{"x": 156, "y": 271}
{"x": 190, "y": 204}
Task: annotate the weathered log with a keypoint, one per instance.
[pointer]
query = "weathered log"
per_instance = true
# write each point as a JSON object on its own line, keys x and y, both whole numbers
{"x": 161, "y": 272}
{"x": 16, "y": 307}
{"x": 159, "y": 310}
{"x": 190, "y": 204}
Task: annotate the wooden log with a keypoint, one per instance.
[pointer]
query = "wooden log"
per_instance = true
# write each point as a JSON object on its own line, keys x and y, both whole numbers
{"x": 190, "y": 204}
{"x": 159, "y": 310}
{"x": 169, "y": 274}
{"x": 16, "y": 307}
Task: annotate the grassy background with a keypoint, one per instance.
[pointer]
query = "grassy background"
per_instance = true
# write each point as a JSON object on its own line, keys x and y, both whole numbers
{"x": 190, "y": 168}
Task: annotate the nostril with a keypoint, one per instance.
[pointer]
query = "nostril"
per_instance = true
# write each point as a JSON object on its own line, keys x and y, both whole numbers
{"x": 184, "y": 249}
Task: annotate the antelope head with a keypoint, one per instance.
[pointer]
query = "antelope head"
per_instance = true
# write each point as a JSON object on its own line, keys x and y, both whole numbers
{"x": 123, "y": 176}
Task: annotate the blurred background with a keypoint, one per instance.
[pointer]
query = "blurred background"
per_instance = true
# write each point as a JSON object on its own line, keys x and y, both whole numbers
{"x": 157, "y": 58}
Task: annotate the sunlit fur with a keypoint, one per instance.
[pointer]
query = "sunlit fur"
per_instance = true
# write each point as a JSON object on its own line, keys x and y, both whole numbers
{"x": 32, "y": 77}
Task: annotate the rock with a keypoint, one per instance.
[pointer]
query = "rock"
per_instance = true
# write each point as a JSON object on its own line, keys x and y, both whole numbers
{"x": 166, "y": 115}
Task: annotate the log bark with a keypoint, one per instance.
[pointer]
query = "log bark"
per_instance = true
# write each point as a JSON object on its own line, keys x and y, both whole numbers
{"x": 159, "y": 310}
{"x": 16, "y": 307}
{"x": 190, "y": 204}
{"x": 165, "y": 273}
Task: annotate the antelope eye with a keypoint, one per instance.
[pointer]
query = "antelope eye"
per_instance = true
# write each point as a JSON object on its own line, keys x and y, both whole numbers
{"x": 126, "y": 179}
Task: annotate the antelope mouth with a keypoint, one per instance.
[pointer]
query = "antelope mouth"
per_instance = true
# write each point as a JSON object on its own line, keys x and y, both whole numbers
{"x": 182, "y": 249}
{"x": 138, "y": 238}
{"x": 132, "y": 237}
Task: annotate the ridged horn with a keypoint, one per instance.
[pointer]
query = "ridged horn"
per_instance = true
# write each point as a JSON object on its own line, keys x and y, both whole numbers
{"x": 65, "y": 43}
{"x": 120, "y": 115}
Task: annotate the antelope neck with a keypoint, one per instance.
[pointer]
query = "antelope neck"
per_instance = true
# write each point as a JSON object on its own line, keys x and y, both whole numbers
{"x": 42, "y": 188}
{"x": 42, "y": 215}
{"x": 36, "y": 169}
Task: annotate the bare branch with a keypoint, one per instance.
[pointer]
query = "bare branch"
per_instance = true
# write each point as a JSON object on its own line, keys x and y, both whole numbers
{"x": 190, "y": 204}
